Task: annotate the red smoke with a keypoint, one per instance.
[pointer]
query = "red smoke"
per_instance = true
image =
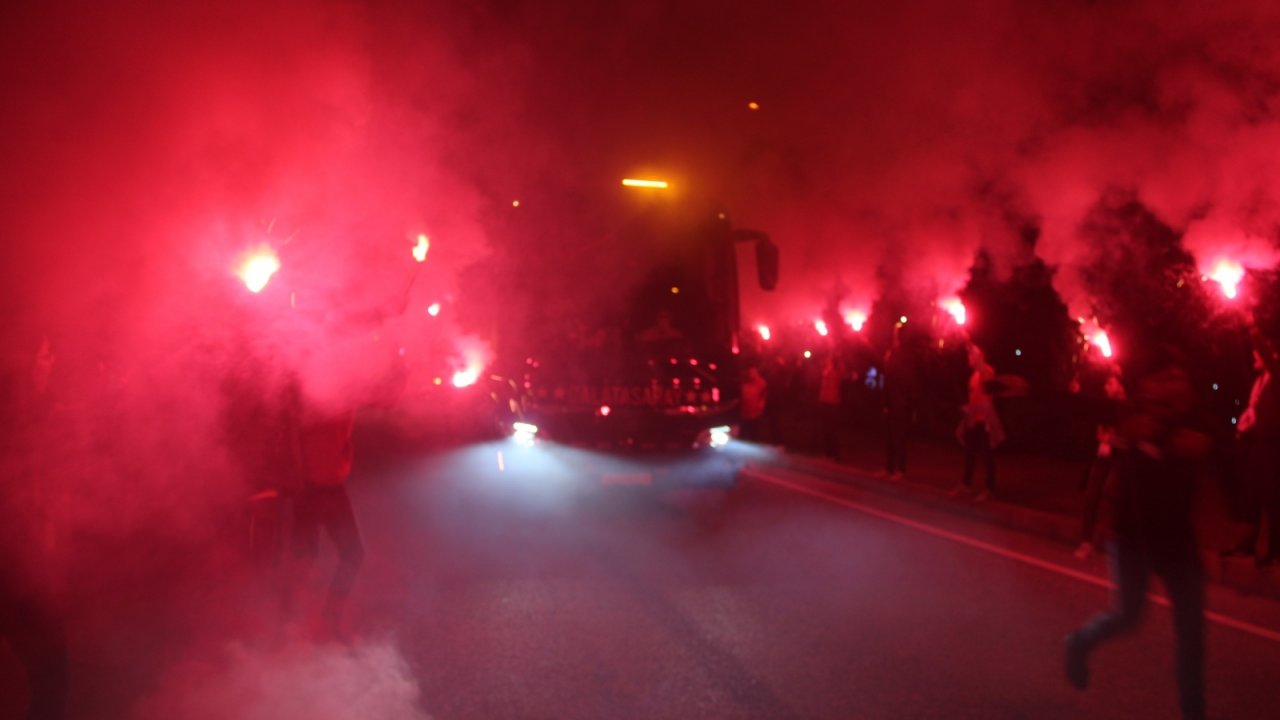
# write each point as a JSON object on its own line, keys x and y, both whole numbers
{"x": 150, "y": 149}
{"x": 904, "y": 137}
{"x": 154, "y": 153}
{"x": 148, "y": 146}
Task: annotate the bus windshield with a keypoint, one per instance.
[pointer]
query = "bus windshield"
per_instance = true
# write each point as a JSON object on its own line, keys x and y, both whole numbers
{"x": 649, "y": 290}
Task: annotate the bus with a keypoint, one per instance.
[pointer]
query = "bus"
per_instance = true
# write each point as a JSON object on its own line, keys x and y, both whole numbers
{"x": 618, "y": 350}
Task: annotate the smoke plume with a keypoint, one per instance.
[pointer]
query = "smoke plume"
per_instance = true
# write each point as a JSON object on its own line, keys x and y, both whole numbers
{"x": 321, "y": 682}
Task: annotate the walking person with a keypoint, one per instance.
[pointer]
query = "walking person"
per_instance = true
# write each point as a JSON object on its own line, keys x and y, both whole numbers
{"x": 1099, "y": 479}
{"x": 980, "y": 430}
{"x": 830, "y": 405}
{"x": 900, "y": 392}
{"x": 1258, "y": 456}
{"x": 755, "y": 395}
{"x": 784, "y": 383}
{"x": 259, "y": 427}
{"x": 325, "y": 455}
{"x": 1156, "y": 453}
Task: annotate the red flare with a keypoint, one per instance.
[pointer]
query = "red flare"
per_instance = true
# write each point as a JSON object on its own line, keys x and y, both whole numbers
{"x": 956, "y": 309}
{"x": 257, "y": 269}
{"x": 1228, "y": 274}
{"x": 1102, "y": 342}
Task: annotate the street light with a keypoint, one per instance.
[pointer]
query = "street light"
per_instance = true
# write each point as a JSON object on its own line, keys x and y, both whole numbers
{"x": 641, "y": 183}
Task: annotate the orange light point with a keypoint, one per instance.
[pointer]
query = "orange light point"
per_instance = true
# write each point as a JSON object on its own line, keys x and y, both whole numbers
{"x": 642, "y": 183}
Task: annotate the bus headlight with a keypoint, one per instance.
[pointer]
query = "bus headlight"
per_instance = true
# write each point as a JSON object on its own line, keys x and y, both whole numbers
{"x": 716, "y": 437}
{"x": 719, "y": 436}
{"x": 524, "y": 433}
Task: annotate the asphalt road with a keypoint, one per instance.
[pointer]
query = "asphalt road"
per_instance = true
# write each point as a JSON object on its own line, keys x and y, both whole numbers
{"x": 534, "y": 598}
{"x": 489, "y": 594}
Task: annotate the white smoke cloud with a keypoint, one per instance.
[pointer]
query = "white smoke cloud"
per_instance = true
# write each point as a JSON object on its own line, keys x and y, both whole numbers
{"x": 294, "y": 682}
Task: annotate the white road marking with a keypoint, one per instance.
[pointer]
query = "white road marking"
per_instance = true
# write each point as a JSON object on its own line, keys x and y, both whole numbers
{"x": 1220, "y": 619}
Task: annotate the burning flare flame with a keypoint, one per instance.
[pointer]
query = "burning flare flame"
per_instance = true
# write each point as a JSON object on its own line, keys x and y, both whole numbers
{"x": 466, "y": 377}
{"x": 421, "y": 248}
{"x": 956, "y": 309}
{"x": 1096, "y": 336}
{"x": 1102, "y": 342}
{"x": 474, "y": 357}
{"x": 257, "y": 269}
{"x": 821, "y": 327}
{"x": 856, "y": 319}
{"x": 765, "y": 333}
{"x": 1228, "y": 274}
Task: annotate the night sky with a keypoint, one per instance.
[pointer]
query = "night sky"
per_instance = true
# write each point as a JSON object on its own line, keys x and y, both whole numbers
{"x": 900, "y": 137}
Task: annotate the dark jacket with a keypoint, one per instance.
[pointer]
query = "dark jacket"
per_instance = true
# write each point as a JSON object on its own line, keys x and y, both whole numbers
{"x": 1160, "y": 444}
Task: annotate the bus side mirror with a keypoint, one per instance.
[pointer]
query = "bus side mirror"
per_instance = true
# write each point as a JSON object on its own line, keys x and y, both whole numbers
{"x": 767, "y": 263}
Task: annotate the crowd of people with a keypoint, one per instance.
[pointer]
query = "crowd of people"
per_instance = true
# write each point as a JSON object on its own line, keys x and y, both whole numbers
{"x": 805, "y": 397}
{"x": 1153, "y": 443}
{"x": 806, "y": 400}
